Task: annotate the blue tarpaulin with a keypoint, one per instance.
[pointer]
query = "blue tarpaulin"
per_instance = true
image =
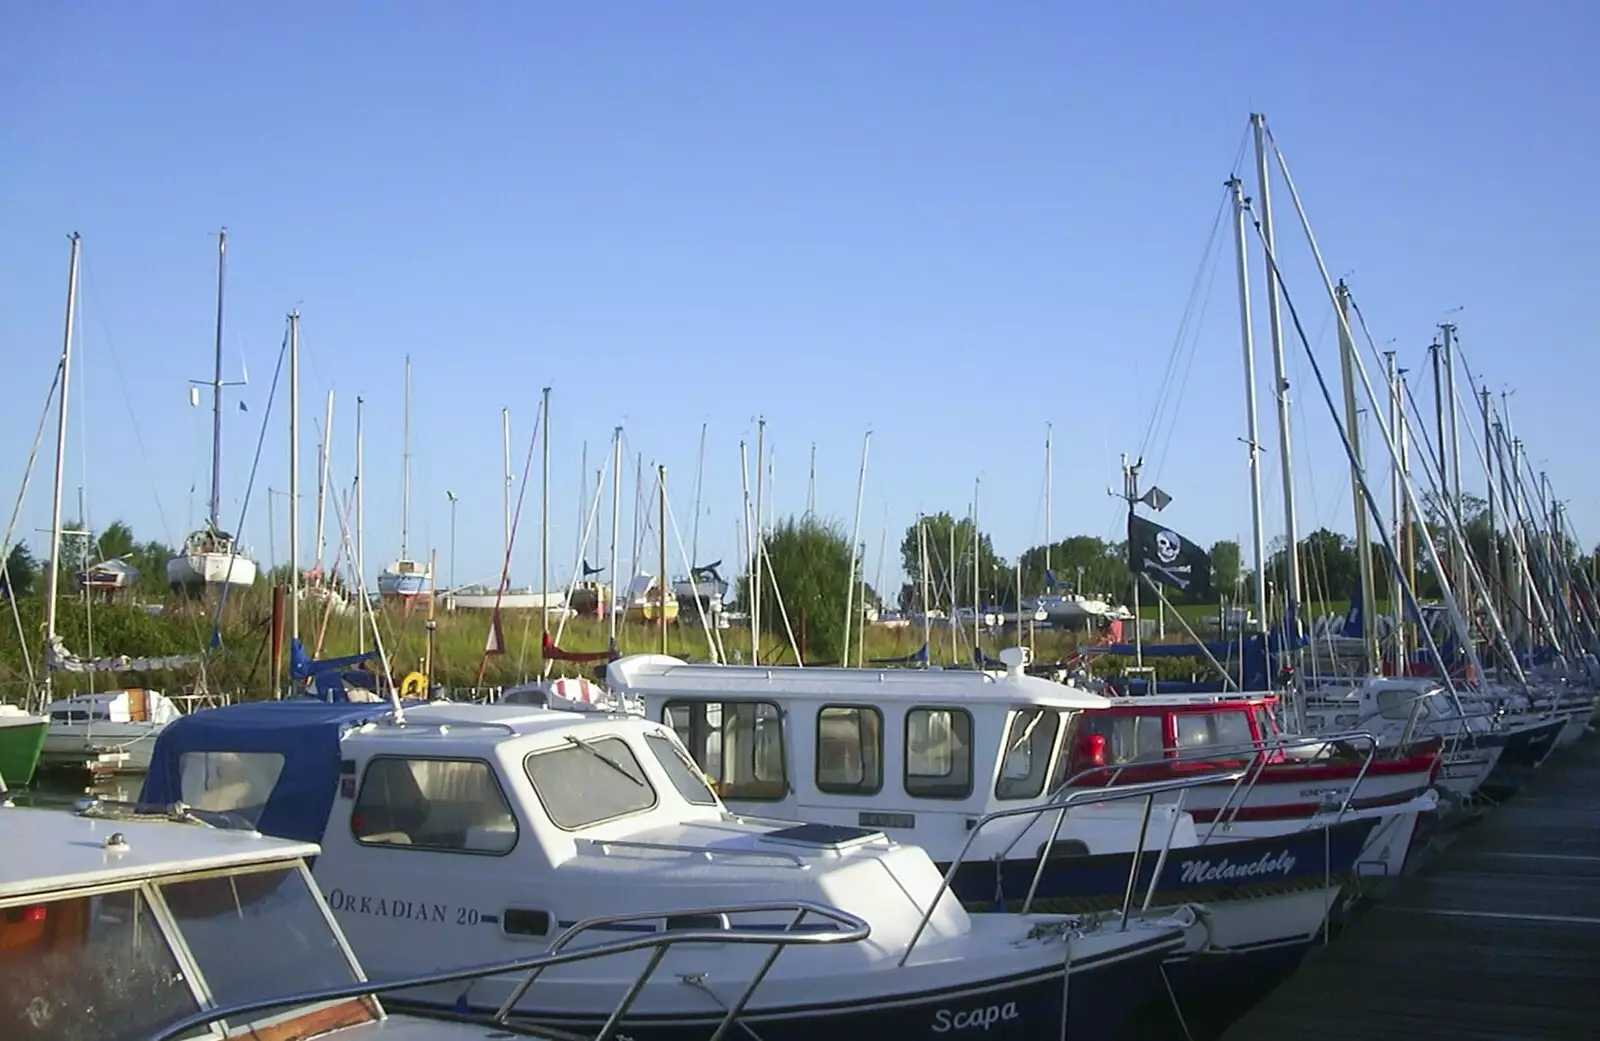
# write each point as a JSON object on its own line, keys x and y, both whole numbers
{"x": 305, "y": 731}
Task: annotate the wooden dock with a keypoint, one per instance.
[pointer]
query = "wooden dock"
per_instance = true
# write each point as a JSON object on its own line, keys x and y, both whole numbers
{"x": 1498, "y": 938}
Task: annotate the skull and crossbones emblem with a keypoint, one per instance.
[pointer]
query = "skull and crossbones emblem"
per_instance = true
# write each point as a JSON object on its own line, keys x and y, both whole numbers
{"x": 1168, "y": 544}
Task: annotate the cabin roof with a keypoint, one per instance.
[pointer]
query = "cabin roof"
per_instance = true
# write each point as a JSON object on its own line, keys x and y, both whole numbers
{"x": 66, "y": 850}
{"x": 1191, "y": 702}
{"x": 660, "y": 675}
{"x": 478, "y": 727}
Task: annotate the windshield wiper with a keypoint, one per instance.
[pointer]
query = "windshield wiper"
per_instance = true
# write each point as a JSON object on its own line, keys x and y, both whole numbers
{"x": 592, "y": 750}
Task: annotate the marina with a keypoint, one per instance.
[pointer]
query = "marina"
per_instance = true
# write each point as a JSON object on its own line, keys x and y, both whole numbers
{"x": 1505, "y": 918}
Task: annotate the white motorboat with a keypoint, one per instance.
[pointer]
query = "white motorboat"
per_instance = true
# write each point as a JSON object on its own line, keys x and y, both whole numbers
{"x": 111, "y": 732}
{"x": 464, "y": 834}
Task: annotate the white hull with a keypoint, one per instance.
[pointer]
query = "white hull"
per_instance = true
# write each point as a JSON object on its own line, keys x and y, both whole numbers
{"x": 514, "y": 600}
{"x": 195, "y": 570}
{"x": 1385, "y": 851}
{"x": 100, "y": 747}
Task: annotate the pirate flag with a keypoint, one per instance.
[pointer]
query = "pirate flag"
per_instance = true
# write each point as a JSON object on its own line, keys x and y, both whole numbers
{"x": 1168, "y": 557}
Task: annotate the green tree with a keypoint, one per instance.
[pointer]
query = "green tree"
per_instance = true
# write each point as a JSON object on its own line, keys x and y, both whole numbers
{"x": 21, "y": 573}
{"x": 1328, "y": 566}
{"x": 809, "y": 564}
{"x": 1225, "y": 566}
{"x": 938, "y": 529}
{"x": 1099, "y": 566}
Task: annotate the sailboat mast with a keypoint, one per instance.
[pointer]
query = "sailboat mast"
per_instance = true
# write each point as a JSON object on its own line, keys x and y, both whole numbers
{"x": 1049, "y": 474}
{"x": 323, "y": 453}
{"x": 757, "y": 533}
{"x": 362, "y": 605}
{"x": 52, "y": 574}
{"x": 405, "y": 465}
{"x": 694, "y": 539}
{"x": 922, "y": 570}
{"x": 294, "y": 475}
{"x": 505, "y": 492}
{"x": 753, "y": 553}
{"x": 977, "y": 600}
{"x": 661, "y": 551}
{"x": 855, "y": 545}
{"x": 1397, "y": 422}
{"x": 1253, "y": 433}
{"x": 1369, "y": 632}
{"x": 544, "y": 517}
{"x": 616, "y": 514}
{"x": 216, "y": 389}
{"x": 1280, "y": 388}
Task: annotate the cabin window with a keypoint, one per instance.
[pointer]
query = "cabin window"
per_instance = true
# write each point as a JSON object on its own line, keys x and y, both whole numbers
{"x": 1025, "y": 761}
{"x": 454, "y": 805}
{"x": 1106, "y": 740}
{"x": 257, "y": 934}
{"x": 739, "y": 745}
{"x": 94, "y": 966}
{"x": 229, "y": 782}
{"x": 849, "y": 750}
{"x": 1265, "y": 724}
{"x": 1399, "y": 704}
{"x": 681, "y": 771}
{"x": 938, "y": 753}
{"x": 1220, "y": 730}
{"x": 589, "y": 781}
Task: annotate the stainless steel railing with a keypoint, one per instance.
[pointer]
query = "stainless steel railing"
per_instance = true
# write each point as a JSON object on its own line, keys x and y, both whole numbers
{"x": 1060, "y": 806}
{"x": 849, "y": 929}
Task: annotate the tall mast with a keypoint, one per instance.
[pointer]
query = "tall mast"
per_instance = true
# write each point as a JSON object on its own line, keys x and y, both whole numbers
{"x": 977, "y": 599}
{"x": 616, "y": 513}
{"x": 53, "y": 572}
{"x": 361, "y": 541}
{"x": 661, "y": 550}
{"x": 1492, "y": 587}
{"x": 694, "y": 539}
{"x": 324, "y": 452}
{"x": 1280, "y": 388}
{"x": 1450, "y": 480}
{"x": 405, "y": 464}
{"x": 1397, "y": 575}
{"x": 578, "y": 539}
{"x": 216, "y": 390}
{"x": 753, "y": 551}
{"x": 1369, "y": 631}
{"x": 294, "y": 475}
{"x": 759, "y": 530}
{"x": 505, "y": 493}
{"x": 1258, "y": 546}
{"x": 922, "y": 571}
{"x": 855, "y": 547}
{"x": 544, "y": 516}
{"x": 1049, "y": 472}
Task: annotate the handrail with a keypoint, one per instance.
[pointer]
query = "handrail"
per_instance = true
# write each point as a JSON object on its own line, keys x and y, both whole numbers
{"x": 852, "y": 930}
{"x": 1259, "y": 762}
{"x": 770, "y": 854}
{"x": 1060, "y": 806}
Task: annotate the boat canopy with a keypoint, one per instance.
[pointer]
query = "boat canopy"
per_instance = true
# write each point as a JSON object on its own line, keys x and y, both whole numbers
{"x": 284, "y": 753}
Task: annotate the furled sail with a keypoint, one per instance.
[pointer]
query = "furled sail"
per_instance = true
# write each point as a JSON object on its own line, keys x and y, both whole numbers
{"x": 56, "y": 656}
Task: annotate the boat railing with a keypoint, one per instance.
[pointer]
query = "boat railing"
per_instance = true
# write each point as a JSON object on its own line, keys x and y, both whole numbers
{"x": 847, "y": 928}
{"x": 1261, "y": 756}
{"x": 1059, "y": 807}
{"x": 604, "y": 845}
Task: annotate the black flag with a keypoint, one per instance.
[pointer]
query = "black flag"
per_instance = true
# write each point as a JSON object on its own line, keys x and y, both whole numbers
{"x": 1168, "y": 557}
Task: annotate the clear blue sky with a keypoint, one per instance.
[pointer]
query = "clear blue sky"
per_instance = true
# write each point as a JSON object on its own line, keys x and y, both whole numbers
{"x": 951, "y": 223}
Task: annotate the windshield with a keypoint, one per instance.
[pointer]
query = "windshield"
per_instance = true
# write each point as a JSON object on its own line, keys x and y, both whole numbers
{"x": 685, "y": 776}
{"x": 93, "y": 968}
{"x": 257, "y": 934}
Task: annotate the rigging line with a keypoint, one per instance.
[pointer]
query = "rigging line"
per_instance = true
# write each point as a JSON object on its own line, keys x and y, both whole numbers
{"x": 244, "y": 508}
{"x": 1183, "y": 384}
{"x": 127, "y": 398}
{"x": 1358, "y": 474}
{"x": 1160, "y": 406}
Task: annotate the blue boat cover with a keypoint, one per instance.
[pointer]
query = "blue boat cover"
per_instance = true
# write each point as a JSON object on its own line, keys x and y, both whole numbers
{"x": 305, "y": 731}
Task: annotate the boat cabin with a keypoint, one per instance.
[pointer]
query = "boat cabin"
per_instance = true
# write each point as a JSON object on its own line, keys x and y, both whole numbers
{"x": 920, "y": 753}
{"x": 133, "y": 705}
{"x": 1170, "y": 731}
{"x": 115, "y": 929}
{"x": 479, "y": 832}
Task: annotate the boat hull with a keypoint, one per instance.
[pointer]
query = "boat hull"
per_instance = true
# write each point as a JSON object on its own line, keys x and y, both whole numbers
{"x": 100, "y": 748}
{"x": 20, "y": 745}
{"x": 402, "y": 587}
{"x": 1106, "y": 991}
{"x": 195, "y": 572}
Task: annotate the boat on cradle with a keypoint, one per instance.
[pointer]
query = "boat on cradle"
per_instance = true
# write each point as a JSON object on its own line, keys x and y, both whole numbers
{"x": 127, "y": 923}
{"x": 21, "y": 739}
{"x": 111, "y": 732}
{"x": 484, "y": 598}
{"x": 458, "y": 833}
{"x": 925, "y": 754}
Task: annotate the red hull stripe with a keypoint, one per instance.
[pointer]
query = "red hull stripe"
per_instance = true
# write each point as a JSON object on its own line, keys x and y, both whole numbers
{"x": 1298, "y": 810}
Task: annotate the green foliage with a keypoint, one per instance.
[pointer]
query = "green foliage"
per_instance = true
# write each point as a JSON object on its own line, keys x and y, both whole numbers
{"x": 1225, "y": 567}
{"x": 809, "y": 564}
{"x": 993, "y": 573}
{"x": 1103, "y": 565}
{"x": 21, "y": 573}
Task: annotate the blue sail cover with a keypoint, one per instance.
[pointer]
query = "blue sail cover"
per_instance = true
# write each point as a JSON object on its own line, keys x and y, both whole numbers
{"x": 305, "y": 731}
{"x": 916, "y": 657}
